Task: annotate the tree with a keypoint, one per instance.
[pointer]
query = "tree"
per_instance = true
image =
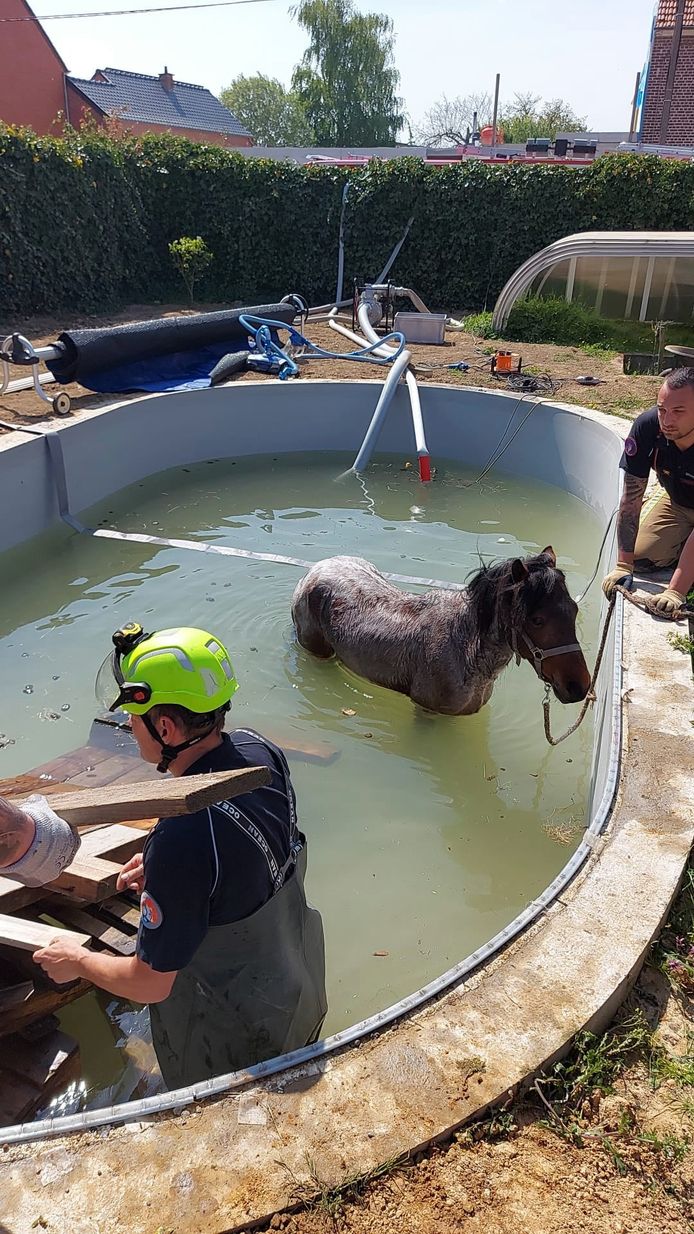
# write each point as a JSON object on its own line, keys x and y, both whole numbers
{"x": 451, "y": 121}
{"x": 528, "y": 117}
{"x": 275, "y": 116}
{"x": 347, "y": 80}
{"x": 191, "y": 257}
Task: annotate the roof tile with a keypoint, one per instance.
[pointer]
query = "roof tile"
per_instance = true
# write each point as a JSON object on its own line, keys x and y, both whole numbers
{"x": 667, "y": 12}
{"x": 135, "y": 96}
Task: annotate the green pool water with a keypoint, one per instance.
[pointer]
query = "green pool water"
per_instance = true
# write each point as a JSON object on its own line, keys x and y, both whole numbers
{"x": 426, "y": 834}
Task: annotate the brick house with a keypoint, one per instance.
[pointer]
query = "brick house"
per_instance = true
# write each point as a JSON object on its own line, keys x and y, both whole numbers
{"x": 32, "y": 74}
{"x": 138, "y": 104}
{"x": 37, "y": 92}
{"x": 668, "y": 107}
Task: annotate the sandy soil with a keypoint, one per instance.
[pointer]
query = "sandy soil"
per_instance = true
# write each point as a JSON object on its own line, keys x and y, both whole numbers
{"x": 526, "y": 1178}
{"x": 618, "y": 394}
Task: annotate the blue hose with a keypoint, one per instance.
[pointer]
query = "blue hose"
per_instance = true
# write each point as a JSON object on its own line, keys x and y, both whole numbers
{"x": 260, "y": 329}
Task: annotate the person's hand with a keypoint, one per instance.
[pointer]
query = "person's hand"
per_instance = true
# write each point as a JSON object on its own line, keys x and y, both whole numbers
{"x": 667, "y": 603}
{"x": 60, "y": 960}
{"x": 132, "y": 875}
{"x": 621, "y": 575}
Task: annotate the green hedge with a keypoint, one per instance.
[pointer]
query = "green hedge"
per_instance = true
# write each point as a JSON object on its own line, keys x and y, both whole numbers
{"x": 85, "y": 221}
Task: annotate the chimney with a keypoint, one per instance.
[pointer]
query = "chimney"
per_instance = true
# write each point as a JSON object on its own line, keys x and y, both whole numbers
{"x": 167, "y": 81}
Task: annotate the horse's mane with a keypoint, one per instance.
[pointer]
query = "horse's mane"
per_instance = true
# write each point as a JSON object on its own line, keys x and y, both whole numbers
{"x": 492, "y": 591}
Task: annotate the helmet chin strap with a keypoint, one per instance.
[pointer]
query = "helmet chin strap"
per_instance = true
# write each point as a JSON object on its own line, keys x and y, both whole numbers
{"x": 168, "y": 752}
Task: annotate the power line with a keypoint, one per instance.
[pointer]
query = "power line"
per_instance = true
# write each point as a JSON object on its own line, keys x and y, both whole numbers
{"x": 164, "y": 8}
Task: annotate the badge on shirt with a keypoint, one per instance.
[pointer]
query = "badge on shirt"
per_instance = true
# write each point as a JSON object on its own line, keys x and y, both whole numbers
{"x": 630, "y": 447}
{"x": 152, "y": 915}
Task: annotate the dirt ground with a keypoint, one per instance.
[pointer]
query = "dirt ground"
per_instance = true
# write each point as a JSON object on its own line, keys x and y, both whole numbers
{"x": 622, "y": 1162}
{"x": 618, "y": 394}
{"x": 632, "y": 1174}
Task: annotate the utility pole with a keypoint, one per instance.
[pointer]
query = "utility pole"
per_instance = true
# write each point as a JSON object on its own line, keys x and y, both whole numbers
{"x": 496, "y": 109}
{"x": 634, "y": 105}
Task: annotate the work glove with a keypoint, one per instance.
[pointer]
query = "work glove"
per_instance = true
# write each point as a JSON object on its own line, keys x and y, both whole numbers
{"x": 667, "y": 603}
{"x": 53, "y": 847}
{"x": 621, "y": 575}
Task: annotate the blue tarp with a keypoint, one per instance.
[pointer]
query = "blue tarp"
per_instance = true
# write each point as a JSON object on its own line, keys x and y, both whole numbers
{"x": 184, "y": 370}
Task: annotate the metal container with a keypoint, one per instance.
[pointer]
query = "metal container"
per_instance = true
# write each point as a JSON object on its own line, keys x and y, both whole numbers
{"x": 421, "y": 327}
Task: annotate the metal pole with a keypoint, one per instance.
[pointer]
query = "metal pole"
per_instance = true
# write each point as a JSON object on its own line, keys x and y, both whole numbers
{"x": 496, "y": 111}
{"x": 632, "y": 125}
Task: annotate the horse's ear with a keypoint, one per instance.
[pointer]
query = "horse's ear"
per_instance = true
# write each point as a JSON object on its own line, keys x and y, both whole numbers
{"x": 549, "y": 552}
{"x": 519, "y": 570}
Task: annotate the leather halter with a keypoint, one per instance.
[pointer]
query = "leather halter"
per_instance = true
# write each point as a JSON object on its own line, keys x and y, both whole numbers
{"x": 539, "y": 654}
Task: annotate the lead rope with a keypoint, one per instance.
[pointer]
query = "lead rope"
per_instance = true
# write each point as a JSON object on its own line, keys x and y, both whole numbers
{"x": 685, "y": 611}
{"x": 590, "y": 696}
{"x": 638, "y": 602}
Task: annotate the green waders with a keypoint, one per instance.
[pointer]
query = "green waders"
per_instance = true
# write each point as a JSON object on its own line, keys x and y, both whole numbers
{"x": 254, "y": 989}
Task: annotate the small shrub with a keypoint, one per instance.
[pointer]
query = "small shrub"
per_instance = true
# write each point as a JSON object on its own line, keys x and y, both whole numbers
{"x": 191, "y": 258}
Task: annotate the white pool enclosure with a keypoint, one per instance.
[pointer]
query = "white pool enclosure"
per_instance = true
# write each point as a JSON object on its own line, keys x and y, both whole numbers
{"x": 636, "y": 275}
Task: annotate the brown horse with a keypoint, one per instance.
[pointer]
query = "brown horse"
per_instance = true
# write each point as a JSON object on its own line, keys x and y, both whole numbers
{"x": 444, "y": 649}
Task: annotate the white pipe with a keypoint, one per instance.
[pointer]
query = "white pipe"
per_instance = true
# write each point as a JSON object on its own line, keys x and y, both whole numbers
{"x": 403, "y": 292}
{"x": 324, "y": 308}
{"x": 411, "y": 295}
{"x": 417, "y": 421}
{"x": 341, "y": 245}
{"x": 26, "y": 383}
{"x": 396, "y": 250}
{"x": 330, "y": 316}
{"x": 383, "y": 352}
{"x": 390, "y": 385}
{"x": 367, "y": 329}
{"x": 415, "y": 404}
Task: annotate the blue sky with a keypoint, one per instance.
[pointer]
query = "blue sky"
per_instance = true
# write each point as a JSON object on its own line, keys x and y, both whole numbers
{"x": 586, "y": 51}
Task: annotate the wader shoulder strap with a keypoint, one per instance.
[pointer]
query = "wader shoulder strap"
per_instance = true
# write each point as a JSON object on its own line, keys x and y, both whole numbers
{"x": 277, "y": 873}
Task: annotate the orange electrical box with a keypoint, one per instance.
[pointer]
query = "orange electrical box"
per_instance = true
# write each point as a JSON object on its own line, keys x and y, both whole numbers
{"x": 503, "y": 362}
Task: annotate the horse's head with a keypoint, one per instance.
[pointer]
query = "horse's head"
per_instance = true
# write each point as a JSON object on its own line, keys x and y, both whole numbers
{"x": 543, "y": 625}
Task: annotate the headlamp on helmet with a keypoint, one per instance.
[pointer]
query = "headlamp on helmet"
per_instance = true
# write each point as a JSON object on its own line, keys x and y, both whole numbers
{"x": 112, "y": 690}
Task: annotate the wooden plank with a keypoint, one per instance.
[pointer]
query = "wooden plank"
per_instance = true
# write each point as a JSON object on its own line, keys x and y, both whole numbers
{"x": 93, "y": 874}
{"x": 118, "y": 910}
{"x": 14, "y": 895}
{"x": 17, "y": 1099}
{"x": 38, "y": 1061}
{"x": 90, "y": 876}
{"x": 31, "y": 1074}
{"x": 175, "y": 796}
{"x": 45, "y": 1000}
{"x": 108, "y": 935}
{"x": 15, "y": 995}
{"x": 109, "y": 771}
{"x": 114, "y": 842}
{"x": 88, "y": 879}
{"x": 66, "y": 766}
{"x": 31, "y": 935}
{"x": 302, "y": 749}
{"x": 30, "y": 782}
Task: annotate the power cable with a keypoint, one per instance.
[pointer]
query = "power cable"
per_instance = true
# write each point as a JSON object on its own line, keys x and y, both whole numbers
{"x": 164, "y": 8}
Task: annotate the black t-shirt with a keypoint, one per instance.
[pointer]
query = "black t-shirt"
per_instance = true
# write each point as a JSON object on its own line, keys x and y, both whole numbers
{"x": 220, "y": 864}
{"x": 646, "y": 447}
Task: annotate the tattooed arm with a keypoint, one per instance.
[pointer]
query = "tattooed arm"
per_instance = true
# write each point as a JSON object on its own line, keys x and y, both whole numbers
{"x": 628, "y": 517}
